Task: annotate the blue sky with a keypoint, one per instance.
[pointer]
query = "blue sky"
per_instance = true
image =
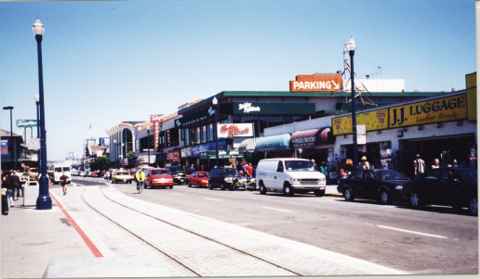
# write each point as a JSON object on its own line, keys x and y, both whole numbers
{"x": 109, "y": 61}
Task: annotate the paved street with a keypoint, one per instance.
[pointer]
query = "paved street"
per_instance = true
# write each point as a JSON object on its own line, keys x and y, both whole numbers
{"x": 436, "y": 240}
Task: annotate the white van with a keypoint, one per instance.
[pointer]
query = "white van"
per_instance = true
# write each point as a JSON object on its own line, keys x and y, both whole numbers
{"x": 289, "y": 176}
{"x": 57, "y": 170}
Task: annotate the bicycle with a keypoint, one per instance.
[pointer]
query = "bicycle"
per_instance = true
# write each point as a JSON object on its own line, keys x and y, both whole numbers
{"x": 140, "y": 186}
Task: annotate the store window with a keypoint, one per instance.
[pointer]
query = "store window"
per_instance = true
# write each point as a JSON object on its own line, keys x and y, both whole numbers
{"x": 204, "y": 134}
{"x": 198, "y": 135}
{"x": 210, "y": 132}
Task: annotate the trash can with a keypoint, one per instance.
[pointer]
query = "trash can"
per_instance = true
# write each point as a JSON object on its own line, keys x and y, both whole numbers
{"x": 4, "y": 201}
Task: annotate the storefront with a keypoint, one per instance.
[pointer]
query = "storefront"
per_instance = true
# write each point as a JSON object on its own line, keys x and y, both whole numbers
{"x": 439, "y": 127}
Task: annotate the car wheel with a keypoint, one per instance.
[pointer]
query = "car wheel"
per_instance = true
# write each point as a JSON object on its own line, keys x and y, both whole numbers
{"x": 170, "y": 187}
{"x": 189, "y": 185}
{"x": 287, "y": 190}
{"x": 348, "y": 194}
{"x": 320, "y": 193}
{"x": 473, "y": 207}
{"x": 414, "y": 200}
{"x": 384, "y": 197}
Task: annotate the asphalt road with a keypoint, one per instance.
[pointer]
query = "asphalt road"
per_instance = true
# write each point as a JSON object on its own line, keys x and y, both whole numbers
{"x": 435, "y": 240}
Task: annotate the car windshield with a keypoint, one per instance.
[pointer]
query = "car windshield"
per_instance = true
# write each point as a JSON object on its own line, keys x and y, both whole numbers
{"x": 467, "y": 174}
{"x": 201, "y": 174}
{"x": 122, "y": 173}
{"x": 387, "y": 175}
{"x": 299, "y": 165}
{"x": 158, "y": 172}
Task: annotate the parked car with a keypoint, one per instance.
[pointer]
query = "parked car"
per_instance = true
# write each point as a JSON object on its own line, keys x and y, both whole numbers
{"x": 178, "y": 174}
{"x": 456, "y": 187}
{"x": 289, "y": 176}
{"x": 385, "y": 186}
{"x": 158, "y": 178}
{"x": 223, "y": 178}
{"x": 122, "y": 176}
{"x": 198, "y": 178}
{"x": 75, "y": 172}
{"x": 33, "y": 174}
{"x": 96, "y": 173}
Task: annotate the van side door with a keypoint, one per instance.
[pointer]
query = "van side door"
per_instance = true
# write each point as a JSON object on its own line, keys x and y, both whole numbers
{"x": 277, "y": 179}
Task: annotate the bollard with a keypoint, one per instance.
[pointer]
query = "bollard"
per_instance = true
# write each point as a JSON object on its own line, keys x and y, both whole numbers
{"x": 5, "y": 207}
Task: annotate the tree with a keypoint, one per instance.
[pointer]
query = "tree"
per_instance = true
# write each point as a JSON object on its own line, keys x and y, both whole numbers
{"x": 101, "y": 163}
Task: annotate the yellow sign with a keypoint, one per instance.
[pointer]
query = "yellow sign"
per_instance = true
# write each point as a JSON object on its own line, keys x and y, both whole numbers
{"x": 471, "y": 83}
{"x": 373, "y": 120}
{"x": 432, "y": 111}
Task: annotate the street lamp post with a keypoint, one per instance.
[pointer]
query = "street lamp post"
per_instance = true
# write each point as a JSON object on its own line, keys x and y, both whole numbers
{"x": 37, "y": 107}
{"x": 350, "y": 46}
{"x": 43, "y": 201}
{"x": 148, "y": 137}
{"x": 215, "y": 128}
{"x": 14, "y": 154}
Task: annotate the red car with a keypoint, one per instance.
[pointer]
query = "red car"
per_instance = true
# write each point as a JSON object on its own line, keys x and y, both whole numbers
{"x": 158, "y": 178}
{"x": 198, "y": 178}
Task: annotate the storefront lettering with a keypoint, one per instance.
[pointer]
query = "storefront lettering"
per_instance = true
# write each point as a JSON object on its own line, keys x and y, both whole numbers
{"x": 398, "y": 116}
{"x": 248, "y": 107}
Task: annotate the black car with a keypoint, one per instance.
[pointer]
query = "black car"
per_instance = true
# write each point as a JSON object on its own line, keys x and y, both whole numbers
{"x": 456, "y": 187}
{"x": 223, "y": 178}
{"x": 383, "y": 185}
{"x": 178, "y": 174}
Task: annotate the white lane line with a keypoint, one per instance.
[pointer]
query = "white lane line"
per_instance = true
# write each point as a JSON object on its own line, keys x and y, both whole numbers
{"x": 213, "y": 199}
{"x": 412, "y": 232}
{"x": 277, "y": 209}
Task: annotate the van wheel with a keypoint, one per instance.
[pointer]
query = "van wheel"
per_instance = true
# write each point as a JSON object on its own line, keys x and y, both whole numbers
{"x": 320, "y": 193}
{"x": 287, "y": 190}
{"x": 263, "y": 190}
{"x": 415, "y": 201}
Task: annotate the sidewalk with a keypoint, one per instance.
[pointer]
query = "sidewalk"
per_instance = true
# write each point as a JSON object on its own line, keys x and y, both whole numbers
{"x": 31, "y": 239}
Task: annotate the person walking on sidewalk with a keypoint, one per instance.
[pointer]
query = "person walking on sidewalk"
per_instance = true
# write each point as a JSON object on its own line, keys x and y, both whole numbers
{"x": 140, "y": 177}
{"x": 63, "y": 182}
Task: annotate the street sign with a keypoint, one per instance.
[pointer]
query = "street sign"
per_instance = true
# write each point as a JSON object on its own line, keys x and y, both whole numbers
{"x": 361, "y": 134}
{"x": 26, "y": 123}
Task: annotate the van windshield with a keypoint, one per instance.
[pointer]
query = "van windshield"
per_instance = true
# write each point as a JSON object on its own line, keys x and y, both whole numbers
{"x": 58, "y": 169}
{"x": 66, "y": 169}
{"x": 298, "y": 165}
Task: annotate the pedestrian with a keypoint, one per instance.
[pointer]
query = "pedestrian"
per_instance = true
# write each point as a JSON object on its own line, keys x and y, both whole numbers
{"x": 63, "y": 182}
{"x": 455, "y": 163}
{"x": 323, "y": 168}
{"x": 4, "y": 194}
{"x": 418, "y": 166}
{"x": 348, "y": 165}
{"x": 436, "y": 164}
{"x": 364, "y": 166}
{"x": 16, "y": 184}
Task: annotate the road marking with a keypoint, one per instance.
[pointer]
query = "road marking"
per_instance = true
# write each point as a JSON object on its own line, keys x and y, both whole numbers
{"x": 213, "y": 199}
{"x": 91, "y": 246}
{"x": 277, "y": 209}
{"x": 412, "y": 232}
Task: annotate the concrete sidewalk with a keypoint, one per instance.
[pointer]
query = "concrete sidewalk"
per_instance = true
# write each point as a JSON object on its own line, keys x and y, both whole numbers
{"x": 32, "y": 238}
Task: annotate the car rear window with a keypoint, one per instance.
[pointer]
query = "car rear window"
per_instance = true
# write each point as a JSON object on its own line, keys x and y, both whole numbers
{"x": 157, "y": 172}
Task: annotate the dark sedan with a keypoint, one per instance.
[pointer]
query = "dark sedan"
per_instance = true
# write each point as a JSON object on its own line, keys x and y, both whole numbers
{"x": 383, "y": 185}
{"x": 223, "y": 178}
{"x": 456, "y": 187}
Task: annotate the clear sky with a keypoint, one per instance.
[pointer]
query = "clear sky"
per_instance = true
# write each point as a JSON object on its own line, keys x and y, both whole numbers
{"x": 109, "y": 61}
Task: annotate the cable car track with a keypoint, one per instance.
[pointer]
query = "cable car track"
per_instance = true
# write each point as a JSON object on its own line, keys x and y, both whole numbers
{"x": 190, "y": 269}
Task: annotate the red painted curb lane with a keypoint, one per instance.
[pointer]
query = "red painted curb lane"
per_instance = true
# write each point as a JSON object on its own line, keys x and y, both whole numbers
{"x": 79, "y": 230}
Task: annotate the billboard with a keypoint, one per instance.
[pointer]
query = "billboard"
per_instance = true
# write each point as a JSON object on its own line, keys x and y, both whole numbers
{"x": 432, "y": 111}
{"x": 373, "y": 120}
{"x": 235, "y": 130}
{"x": 317, "y": 83}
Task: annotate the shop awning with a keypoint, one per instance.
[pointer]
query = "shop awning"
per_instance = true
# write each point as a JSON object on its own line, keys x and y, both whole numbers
{"x": 312, "y": 138}
{"x": 279, "y": 142}
{"x": 304, "y": 139}
{"x": 247, "y": 145}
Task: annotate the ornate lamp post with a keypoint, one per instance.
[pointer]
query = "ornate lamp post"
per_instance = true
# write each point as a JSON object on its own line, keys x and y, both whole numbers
{"x": 43, "y": 201}
{"x": 215, "y": 116}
